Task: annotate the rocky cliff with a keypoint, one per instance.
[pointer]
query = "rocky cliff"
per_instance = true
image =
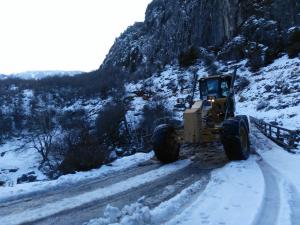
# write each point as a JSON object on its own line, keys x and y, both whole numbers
{"x": 174, "y": 30}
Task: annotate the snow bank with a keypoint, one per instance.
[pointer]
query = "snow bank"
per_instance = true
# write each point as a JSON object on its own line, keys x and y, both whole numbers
{"x": 118, "y": 165}
{"x": 135, "y": 214}
{"x": 139, "y": 214}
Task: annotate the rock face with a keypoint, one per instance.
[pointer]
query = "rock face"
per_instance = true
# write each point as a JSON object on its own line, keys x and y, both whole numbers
{"x": 173, "y": 27}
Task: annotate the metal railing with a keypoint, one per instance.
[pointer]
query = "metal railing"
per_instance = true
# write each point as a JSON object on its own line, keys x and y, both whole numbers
{"x": 289, "y": 139}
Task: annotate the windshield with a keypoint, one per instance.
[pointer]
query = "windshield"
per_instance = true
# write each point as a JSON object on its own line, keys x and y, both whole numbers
{"x": 212, "y": 87}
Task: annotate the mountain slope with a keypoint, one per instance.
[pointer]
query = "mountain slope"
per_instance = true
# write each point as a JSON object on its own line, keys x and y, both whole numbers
{"x": 174, "y": 29}
{"x": 37, "y": 75}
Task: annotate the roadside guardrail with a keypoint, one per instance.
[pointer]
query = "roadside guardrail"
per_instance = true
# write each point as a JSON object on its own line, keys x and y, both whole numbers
{"x": 288, "y": 139}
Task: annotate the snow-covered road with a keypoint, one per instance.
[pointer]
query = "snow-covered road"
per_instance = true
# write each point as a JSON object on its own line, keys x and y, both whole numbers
{"x": 77, "y": 204}
{"x": 251, "y": 192}
{"x": 203, "y": 189}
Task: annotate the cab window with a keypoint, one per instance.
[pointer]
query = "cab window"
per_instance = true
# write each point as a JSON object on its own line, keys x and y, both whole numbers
{"x": 224, "y": 89}
{"x": 203, "y": 89}
{"x": 212, "y": 87}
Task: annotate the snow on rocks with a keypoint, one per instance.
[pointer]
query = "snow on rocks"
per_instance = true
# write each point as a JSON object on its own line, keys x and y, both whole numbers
{"x": 16, "y": 161}
{"x": 169, "y": 85}
{"x": 273, "y": 93}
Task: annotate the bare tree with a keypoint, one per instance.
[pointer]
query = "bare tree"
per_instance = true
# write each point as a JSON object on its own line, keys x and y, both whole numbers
{"x": 43, "y": 137}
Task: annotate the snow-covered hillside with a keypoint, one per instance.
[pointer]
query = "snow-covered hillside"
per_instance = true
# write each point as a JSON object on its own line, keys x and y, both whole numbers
{"x": 19, "y": 158}
{"x": 2, "y": 76}
{"x": 271, "y": 94}
{"x": 37, "y": 75}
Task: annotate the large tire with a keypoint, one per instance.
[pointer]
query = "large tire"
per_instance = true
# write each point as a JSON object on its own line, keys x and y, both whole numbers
{"x": 245, "y": 119}
{"x": 235, "y": 139}
{"x": 165, "y": 144}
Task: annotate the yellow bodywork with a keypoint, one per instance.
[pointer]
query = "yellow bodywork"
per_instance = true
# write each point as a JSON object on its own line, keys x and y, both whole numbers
{"x": 202, "y": 122}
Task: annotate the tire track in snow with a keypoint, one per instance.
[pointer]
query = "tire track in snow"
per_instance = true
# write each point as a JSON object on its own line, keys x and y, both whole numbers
{"x": 40, "y": 198}
{"x": 270, "y": 207}
{"x": 119, "y": 167}
{"x": 288, "y": 189}
{"x": 295, "y": 205}
{"x": 277, "y": 185}
{"x": 65, "y": 204}
{"x": 186, "y": 178}
{"x": 152, "y": 194}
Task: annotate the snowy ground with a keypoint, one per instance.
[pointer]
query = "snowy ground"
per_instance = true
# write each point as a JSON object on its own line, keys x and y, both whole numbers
{"x": 263, "y": 190}
{"x": 27, "y": 188}
{"x": 14, "y": 163}
{"x": 277, "y": 87}
{"x": 216, "y": 205}
{"x": 17, "y": 159}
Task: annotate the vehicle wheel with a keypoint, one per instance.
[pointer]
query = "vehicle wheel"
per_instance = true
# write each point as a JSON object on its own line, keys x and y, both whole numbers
{"x": 245, "y": 119}
{"x": 165, "y": 144}
{"x": 235, "y": 139}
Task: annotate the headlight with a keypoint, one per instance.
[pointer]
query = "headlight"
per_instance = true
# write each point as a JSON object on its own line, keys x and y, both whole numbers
{"x": 211, "y": 99}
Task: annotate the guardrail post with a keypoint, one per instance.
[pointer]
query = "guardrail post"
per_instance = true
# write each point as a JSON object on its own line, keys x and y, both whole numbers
{"x": 278, "y": 133}
{"x": 291, "y": 140}
{"x": 265, "y": 128}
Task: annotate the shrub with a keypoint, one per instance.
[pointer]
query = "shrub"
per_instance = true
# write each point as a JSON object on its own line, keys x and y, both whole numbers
{"x": 109, "y": 123}
{"x": 188, "y": 57}
{"x": 152, "y": 113}
{"x": 84, "y": 152}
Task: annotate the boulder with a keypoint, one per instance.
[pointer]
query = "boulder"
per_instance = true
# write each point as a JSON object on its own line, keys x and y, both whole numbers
{"x": 234, "y": 50}
{"x": 241, "y": 84}
{"x": 268, "y": 88}
{"x": 27, "y": 178}
{"x": 263, "y": 31}
{"x": 256, "y": 56}
{"x": 293, "y": 42}
{"x": 2, "y": 183}
{"x": 262, "y": 105}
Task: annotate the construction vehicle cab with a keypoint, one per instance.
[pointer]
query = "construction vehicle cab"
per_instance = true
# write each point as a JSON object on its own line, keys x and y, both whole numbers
{"x": 214, "y": 87}
{"x": 210, "y": 118}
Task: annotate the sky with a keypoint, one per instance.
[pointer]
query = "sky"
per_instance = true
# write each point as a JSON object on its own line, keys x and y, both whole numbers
{"x": 62, "y": 34}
